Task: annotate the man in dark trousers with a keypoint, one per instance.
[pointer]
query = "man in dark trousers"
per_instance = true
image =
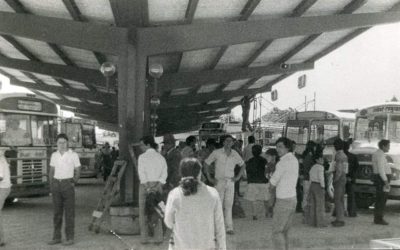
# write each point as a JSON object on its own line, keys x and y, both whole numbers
{"x": 64, "y": 173}
{"x": 173, "y": 157}
{"x": 382, "y": 175}
{"x": 351, "y": 180}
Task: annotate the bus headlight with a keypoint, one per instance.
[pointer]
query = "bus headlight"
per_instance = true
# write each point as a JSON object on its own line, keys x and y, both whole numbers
{"x": 395, "y": 174}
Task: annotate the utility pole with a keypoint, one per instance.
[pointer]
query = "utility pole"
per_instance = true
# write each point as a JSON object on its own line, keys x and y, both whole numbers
{"x": 315, "y": 100}
{"x": 305, "y": 103}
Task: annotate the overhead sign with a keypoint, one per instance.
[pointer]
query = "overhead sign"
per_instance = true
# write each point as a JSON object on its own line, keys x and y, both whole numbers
{"x": 29, "y": 105}
{"x": 274, "y": 95}
{"x": 301, "y": 81}
{"x": 393, "y": 109}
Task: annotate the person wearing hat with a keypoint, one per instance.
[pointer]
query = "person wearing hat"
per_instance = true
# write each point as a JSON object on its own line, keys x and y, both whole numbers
{"x": 173, "y": 157}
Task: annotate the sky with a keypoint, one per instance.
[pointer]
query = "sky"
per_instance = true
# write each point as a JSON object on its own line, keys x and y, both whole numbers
{"x": 362, "y": 72}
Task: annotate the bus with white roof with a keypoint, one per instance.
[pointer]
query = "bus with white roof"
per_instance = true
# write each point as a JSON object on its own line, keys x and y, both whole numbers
{"x": 320, "y": 127}
{"x": 374, "y": 123}
{"x": 28, "y": 128}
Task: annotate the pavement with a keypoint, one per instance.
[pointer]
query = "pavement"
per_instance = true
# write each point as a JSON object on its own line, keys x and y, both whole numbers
{"x": 28, "y": 225}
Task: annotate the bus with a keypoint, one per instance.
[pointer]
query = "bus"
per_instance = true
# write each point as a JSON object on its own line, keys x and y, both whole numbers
{"x": 374, "y": 123}
{"x": 212, "y": 130}
{"x": 320, "y": 127}
{"x": 268, "y": 134}
{"x": 82, "y": 139}
{"x": 28, "y": 128}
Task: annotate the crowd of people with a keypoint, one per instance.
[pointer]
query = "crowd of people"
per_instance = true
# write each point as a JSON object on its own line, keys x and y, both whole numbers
{"x": 199, "y": 187}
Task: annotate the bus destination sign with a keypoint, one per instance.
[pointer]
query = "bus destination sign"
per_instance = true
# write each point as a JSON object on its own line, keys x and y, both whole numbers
{"x": 29, "y": 105}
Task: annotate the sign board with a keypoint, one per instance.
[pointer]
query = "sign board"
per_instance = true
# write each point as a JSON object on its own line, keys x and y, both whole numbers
{"x": 274, "y": 95}
{"x": 301, "y": 81}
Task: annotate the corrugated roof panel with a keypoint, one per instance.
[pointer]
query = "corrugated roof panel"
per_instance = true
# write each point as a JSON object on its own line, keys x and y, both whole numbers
{"x": 193, "y": 104}
{"x": 222, "y": 9}
{"x": 203, "y": 112}
{"x": 237, "y": 55}
{"x": 276, "y": 50}
{"x": 376, "y": 6}
{"x": 322, "y": 42}
{"x": 274, "y": 9}
{"x": 198, "y": 60}
{"x": 221, "y": 109}
{"x": 234, "y": 85}
{"x": 24, "y": 78}
{"x": 5, "y": 7}
{"x": 167, "y": 11}
{"x": 236, "y": 99}
{"x": 214, "y": 101}
{"x": 96, "y": 10}
{"x": 14, "y": 72}
{"x": 49, "y": 95}
{"x": 168, "y": 61}
{"x": 48, "y": 8}
{"x": 83, "y": 58}
{"x": 47, "y": 80}
{"x": 72, "y": 99}
{"x": 76, "y": 85}
{"x": 263, "y": 81}
{"x": 208, "y": 88}
{"x": 326, "y": 7}
{"x": 8, "y": 50}
{"x": 41, "y": 50}
{"x": 181, "y": 91}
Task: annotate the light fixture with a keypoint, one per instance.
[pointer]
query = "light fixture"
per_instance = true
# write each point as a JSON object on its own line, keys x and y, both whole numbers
{"x": 155, "y": 71}
{"x": 107, "y": 69}
{"x": 154, "y": 117}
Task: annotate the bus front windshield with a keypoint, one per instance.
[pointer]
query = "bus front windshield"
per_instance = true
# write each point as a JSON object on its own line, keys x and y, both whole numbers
{"x": 89, "y": 136}
{"x": 74, "y": 132}
{"x": 299, "y": 134}
{"x": 371, "y": 128}
{"x": 27, "y": 130}
{"x": 324, "y": 131}
{"x": 394, "y": 128}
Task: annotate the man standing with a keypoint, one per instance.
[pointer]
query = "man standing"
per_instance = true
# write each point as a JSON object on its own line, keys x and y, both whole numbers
{"x": 153, "y": 172}
{"x": 351, "y": 180}
{"x": 64, "y": 173}
{"x": 173, "y": 158}
{"x": 225, "y": 161}
{"x": 339, "y": 181}
{"x": 382, "y": 175}
{"x": 283, "y": 182}
{"x": 190, "y": 148}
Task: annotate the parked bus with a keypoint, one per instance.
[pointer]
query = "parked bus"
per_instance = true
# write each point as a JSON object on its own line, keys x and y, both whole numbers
{"x": 321, "y": 127}
{"x": 82, "y": 139}
{"x": 212, "y": 130}
{"x": 373, "y": 124}
{"x": 28, "y": 128}
{"x": 267, "y": 135}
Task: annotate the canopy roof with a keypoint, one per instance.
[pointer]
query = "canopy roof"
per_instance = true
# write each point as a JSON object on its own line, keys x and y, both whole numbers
{"x": 213, "y": 52}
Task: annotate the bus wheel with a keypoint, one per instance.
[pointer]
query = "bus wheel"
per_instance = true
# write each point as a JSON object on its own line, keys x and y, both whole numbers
{"x": 364, "y": 200}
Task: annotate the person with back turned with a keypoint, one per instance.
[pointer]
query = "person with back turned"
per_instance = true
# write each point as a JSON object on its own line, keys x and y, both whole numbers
{"x": 382, "y": 175}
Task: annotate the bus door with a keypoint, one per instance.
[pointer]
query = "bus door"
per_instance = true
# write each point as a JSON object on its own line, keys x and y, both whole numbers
{"x": 298, "y": 131}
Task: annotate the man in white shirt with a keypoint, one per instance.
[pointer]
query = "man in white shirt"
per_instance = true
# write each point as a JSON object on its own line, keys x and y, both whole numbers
{"x": 153, "y": 172}
{"x": 5, "y": 188}
{"x": 382, "y": 175}
{"x": 225, "y": 160}
{"x": 283, "y": 182}
{"x": 64, "y": 173}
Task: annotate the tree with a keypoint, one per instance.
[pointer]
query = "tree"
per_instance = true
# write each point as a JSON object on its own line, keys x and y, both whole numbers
{"x": 394, "y": 99}
{"x": 277, "y": 115}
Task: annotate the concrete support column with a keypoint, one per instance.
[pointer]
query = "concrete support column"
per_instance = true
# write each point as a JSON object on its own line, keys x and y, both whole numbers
{"x": 131, "y": 112}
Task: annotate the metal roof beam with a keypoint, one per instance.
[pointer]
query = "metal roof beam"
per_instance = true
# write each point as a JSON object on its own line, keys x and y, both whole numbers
{"x": 98, "y": 96}
{"x": 84, "y": 75}
{"x": 194, "y": 79}
{"x": 156, "y": 40}
{"x": 196, "y": 108}
{"x": 130, "y": 12}
{"x": 89, "y": 36}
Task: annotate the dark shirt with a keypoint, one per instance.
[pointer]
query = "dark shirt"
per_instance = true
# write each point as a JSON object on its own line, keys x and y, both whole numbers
{"x": 173, "y": 158}
{"x": 308, "y": 162}
{"x": 353, "y": 166}
{"x": 255, "y": 168}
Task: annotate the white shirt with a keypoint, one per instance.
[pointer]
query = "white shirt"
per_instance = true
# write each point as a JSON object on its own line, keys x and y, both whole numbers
{"x": 197, "y": 220}
{"x": 317, "y": 174}
{"x": 152, "y": 167}
{"x": 380, "y": 165}
{"x": 285, "y": 176}
{"x": 247, "y": 152}
{"x": 224, "y": 164}
{"x": 64, "y": 165}
{"x": 4, "y": 173}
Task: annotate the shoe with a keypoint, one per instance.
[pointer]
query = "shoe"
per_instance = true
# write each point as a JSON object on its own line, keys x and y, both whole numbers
{"x": 381, "y": 222}
{"x": 337, "y": 223}
{"x": 230, "y": 232}
{"x": 54, "y": 242}
{"x": 254, "y": 217}
{"x": 68, "y": 243}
